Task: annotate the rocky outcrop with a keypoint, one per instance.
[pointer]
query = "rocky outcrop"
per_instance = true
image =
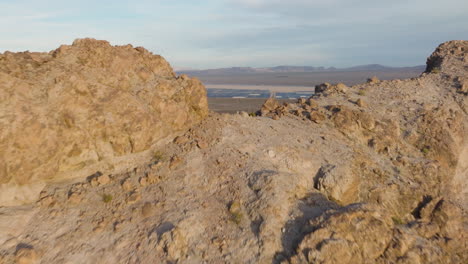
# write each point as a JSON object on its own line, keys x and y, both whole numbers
{"x": 450, "y": 57}
{"x": 86, "y": 107}
{"x": 368, "y": 234}
{"x": 354, "y": 234}
{"x": 330, "y": 89}
{"x": 410, "y": 140}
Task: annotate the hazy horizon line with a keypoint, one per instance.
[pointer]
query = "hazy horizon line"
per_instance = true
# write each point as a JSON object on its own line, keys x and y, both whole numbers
{"x": 298, "y": 66}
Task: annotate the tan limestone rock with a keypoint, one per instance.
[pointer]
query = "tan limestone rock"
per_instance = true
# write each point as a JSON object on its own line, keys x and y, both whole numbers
{"x": 86, "y": 107}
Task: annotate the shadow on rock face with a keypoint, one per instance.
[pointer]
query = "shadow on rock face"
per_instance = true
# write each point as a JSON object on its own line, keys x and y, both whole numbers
{"x": 164, "y": 227}
{"x": 312, "y": 206}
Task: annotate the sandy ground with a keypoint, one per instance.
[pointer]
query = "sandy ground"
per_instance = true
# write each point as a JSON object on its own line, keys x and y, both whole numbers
{"x": 287, "y": 82}
{"x": 273, "y": 88}
{"x": 307, "y": 79}
{"x": 233, "y": 105}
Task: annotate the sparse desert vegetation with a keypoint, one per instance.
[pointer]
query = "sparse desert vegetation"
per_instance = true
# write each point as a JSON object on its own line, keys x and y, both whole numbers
{"x": 106, "y": 198}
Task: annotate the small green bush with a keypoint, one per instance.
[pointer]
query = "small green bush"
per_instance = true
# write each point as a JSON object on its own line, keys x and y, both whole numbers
{"x": 362, "y": 92}
{"x": 158, "y": 156}
{"x": 236, "y": 212}
{"x": 397, "y": 221}
{"x": 106, "y": 198}
{"x": 236, "y": 217}
{"x": 425, "y": 150}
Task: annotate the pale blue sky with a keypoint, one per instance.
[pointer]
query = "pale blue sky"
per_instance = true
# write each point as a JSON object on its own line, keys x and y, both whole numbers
{"x": 223, "y": 33}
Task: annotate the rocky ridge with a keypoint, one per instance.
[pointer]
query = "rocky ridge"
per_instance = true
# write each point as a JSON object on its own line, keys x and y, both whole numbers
{"x": 83, "y": 108}
{"x": 373, "y": 173}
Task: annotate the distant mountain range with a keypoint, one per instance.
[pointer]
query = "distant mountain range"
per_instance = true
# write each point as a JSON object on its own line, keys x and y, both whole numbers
{"x": 288, "y": 69}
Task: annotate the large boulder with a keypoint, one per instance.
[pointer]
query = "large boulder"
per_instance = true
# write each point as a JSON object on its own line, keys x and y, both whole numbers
{"x": 86, "y": 107}
{"x": 339, "y": 183}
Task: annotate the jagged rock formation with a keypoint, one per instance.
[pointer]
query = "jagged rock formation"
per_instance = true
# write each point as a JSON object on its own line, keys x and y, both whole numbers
{"x": 374, "y": 173}
{"x": 86, "y": 107}
{"x": 327, "y": 88}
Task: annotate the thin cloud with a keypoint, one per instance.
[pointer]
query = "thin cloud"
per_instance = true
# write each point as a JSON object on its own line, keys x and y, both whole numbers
{"x": 221, "y": 33}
